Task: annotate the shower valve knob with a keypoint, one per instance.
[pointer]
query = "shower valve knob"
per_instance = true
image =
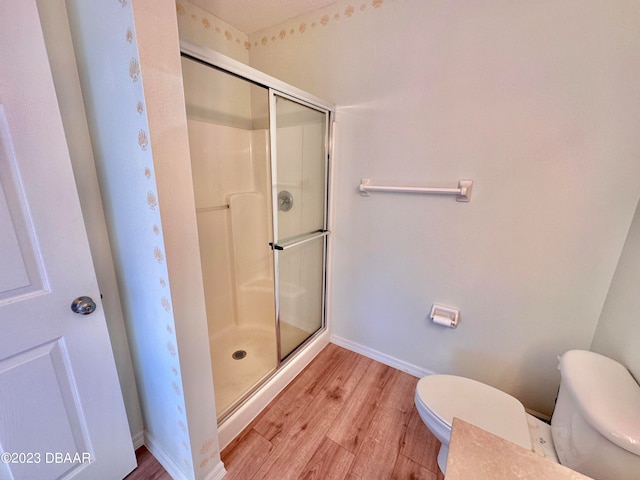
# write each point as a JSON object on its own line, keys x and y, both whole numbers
{"x": 285, "y": 201}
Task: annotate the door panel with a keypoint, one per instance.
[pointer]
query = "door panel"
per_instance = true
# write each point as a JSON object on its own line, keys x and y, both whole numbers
{"x": 301, "y": 168}
{"x": 20, "y": 274}
{"x": 42, "y": 369}
{"x": 228, "y": 130}
{"x": 61, "y": 409}
{"x": 301, "y": 293}
{"x": 299, "y": 175}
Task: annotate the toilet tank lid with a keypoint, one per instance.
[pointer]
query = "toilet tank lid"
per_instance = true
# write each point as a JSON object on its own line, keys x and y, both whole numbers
{"x": 606, "y": 394}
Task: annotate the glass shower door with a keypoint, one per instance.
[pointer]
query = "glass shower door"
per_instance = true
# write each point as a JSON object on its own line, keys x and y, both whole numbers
{"x": 228, "y": 128}
{"x": 299, "y": 181}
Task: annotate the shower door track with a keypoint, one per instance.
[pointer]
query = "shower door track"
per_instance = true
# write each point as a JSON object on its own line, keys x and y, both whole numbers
{"x": 296, "y": 241}
{"x": 222, "y": 62}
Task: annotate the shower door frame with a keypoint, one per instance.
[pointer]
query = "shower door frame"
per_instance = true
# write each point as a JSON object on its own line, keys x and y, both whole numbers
{"x": 323, "y": 233}
{"x": 256, "y": 400}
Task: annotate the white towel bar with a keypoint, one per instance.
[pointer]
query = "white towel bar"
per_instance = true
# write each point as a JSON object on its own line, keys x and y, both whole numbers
{"x": 463, "y": 192}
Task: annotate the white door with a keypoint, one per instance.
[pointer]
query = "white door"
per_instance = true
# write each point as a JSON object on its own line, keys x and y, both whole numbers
{"x": 61, "y": 409}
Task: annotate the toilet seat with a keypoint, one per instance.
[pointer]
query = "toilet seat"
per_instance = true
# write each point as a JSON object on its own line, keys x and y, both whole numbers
{"x": 444, "y": 397}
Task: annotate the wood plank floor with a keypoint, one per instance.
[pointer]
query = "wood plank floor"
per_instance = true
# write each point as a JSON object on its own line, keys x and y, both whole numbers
{"x": 148, "y": 467}
{"x": 345, "y": 416}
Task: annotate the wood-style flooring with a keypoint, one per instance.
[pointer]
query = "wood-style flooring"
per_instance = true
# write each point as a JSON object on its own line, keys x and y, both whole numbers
{"x": 345, "y": 416}
{"x": 148, "y": 467}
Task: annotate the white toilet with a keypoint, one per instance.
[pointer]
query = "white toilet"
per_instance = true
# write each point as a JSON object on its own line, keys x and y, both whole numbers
{"x": 595, "y": 427}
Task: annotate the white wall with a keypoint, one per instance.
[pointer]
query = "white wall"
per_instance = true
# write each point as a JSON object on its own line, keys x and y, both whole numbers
{"x": 55, "y": 24}
{"x": 537, "y": 103}
{"x": 618, "y": 332}
{"x": 140, "y": 144}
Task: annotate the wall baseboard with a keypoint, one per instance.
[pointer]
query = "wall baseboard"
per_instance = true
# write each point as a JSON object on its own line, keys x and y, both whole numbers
{"x": 401, "y": 365}
{"x": 172, "y": 468}
{"x": 165, "y": 459}
{"x": 217, "y": 473}
{"x": 381, "y": 357}
{"x": 538, "y": 415}
{"x": 138, "y": 440}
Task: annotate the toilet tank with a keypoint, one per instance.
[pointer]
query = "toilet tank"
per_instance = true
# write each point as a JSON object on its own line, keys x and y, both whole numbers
{"x": 596, "y": 422}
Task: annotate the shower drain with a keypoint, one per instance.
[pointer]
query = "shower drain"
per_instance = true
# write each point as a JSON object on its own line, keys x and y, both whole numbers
{"x": 239, "y": 354}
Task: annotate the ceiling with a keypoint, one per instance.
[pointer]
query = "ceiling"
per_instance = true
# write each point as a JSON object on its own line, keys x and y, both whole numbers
{"x": 249, "y": 16}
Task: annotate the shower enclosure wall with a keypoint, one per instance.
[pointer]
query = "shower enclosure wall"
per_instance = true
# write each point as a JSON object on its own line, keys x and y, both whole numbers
{"x": 260, "y": 173}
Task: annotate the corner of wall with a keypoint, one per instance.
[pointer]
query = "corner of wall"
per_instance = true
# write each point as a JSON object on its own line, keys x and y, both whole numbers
{"x": 55, "y": 22}
{"x": 142, "y": 158}
{"x": 158, "y": 44}
{"x": 200, "y": 27}
{"x": 618, "y": 331}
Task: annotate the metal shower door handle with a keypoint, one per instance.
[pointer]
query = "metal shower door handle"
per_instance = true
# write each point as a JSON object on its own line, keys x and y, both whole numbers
{"x": 299, "y": 241}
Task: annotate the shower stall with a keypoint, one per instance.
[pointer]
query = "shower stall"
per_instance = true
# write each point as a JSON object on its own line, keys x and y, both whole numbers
{"x": 260, "y": 163}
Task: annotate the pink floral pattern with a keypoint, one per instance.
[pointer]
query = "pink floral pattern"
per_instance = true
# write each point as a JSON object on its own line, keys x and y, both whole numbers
{"x": 134, "y": 69}
{"x": 348, "y": 11}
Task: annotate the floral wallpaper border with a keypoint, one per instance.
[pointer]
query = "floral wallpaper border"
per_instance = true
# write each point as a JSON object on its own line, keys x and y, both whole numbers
{"x": 193, "y": 20}
{"x": 339, "y": 11}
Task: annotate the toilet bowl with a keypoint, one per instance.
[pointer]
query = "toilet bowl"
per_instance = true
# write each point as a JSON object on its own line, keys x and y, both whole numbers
{"x": 595, "y": 426}
{"x": 439, "y": 398}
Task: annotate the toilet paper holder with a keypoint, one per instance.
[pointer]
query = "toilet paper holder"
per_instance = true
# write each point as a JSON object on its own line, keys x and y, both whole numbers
{"x": 444, "y": 315}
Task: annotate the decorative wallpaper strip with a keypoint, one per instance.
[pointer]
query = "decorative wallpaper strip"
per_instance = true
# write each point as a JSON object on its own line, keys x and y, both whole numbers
{"x": 134, "y": 69}
{"x": 153, "y": 237}
{"x": 317, "y": 20}
{"x": 296, "y": 26}
{"x": 202, "y": 28}
{"x": 228, "y": 34}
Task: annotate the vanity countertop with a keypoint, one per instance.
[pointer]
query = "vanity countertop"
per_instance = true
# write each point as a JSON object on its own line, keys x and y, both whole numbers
{"x": 475, "y": 454}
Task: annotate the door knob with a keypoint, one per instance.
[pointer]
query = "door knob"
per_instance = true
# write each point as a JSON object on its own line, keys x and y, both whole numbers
{"x": 83, "y": 305}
